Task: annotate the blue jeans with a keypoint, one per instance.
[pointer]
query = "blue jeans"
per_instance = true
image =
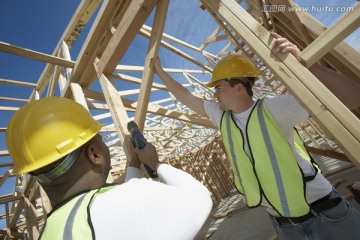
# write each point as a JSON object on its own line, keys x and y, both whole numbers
{"x": 339, "y": 223}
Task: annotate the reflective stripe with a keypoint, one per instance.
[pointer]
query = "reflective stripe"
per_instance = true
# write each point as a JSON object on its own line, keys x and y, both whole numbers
{"x": 274, "y": 161}
{"x": 232, "y": 150}
{"x": 70, "y": 221}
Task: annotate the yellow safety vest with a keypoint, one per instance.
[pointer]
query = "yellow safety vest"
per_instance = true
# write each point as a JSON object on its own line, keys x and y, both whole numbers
{"x": 300, "y": 149}
{"x": 271, "y": 169}
{"x": 72, "y": 219}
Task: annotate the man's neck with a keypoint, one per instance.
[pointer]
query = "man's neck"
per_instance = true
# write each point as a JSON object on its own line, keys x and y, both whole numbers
{"x": 243, "y": 105}
{"x": 63, "y": 191}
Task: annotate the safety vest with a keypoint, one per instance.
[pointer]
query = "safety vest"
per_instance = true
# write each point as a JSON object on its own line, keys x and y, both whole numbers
{"x": 72, "y": 219}
{"x": 271, "y": 169}
{"x": 301, "y": 150}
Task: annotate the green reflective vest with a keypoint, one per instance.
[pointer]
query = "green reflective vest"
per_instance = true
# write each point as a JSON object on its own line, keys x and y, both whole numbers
{"x": 72, "y": 219}
{"x": 301, "y": 150}
{"x": 271, "y": 169}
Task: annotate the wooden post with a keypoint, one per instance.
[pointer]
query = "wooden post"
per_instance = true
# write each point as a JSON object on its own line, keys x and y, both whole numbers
{"x": 148, "y": 74}
{"x": 331, "y": 37}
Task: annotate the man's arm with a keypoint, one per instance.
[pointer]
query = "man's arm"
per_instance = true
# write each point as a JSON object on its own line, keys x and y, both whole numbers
{"x": 180, "y": 92}
{"x": 344, "y": 88}
{"x": 134, "y": 164}
{"x": 180, "y": 201}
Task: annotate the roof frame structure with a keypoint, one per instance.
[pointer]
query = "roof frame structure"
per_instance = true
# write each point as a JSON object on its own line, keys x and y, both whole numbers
{"x": 182, "y": 138}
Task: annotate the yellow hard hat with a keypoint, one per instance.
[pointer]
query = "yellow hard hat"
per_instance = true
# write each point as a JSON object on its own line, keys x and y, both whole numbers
{"x": 233, "y": 66}
{"x": 44, "y": 131}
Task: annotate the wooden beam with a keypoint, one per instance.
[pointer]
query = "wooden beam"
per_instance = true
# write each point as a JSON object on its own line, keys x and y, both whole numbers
{"x": 128, "y": 68}
{"x": 10, "y": 198}
{"x": 4, "y": 177}
{"x": 77, "y": 23}
{"x": 126, "y": 31}
{"x": 78, "y": 94}
{"x": 178, "y": 52}
{"x": 32, "y": 224}
{"x": 115, "y": 104}
{"x": 136, "y": 80}
{"x": 212, "y": 35}
{"x": 132, "y": 105}
{"x": 295, "y": 20}
{"x": 10, "y": 109}
{"x": 27, "y": 53}
{"x": 171, "y": 38}
{"x": 6, "y": 165}
{"x": 53, "y": 81}
{"x": 148, "y": 74}
{"x": 116, "y": 107}
{"x": 83, "y": 72}
{"x": 217, "y": 39}
{"x": 13, "y": 99}
{"x": 328, "y": 153}
{"x": 171, "y": 114}
{"x": 18, "y": 83}
{"x": 343, "y": 53}
{"x": 331, "y": 37}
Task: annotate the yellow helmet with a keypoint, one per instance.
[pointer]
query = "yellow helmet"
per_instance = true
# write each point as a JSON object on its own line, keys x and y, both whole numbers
{"x": 233, "y": 66}
{"x": 44, "y": 131}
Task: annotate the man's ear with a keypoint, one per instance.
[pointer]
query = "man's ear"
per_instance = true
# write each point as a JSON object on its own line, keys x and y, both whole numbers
{"x": 239, "y": 87}
{"x": 93, "y": 154}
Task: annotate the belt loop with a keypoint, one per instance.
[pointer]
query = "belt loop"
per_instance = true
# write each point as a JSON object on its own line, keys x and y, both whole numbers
{"x": 293, "y": 223}
{"x": 314, "y": 212}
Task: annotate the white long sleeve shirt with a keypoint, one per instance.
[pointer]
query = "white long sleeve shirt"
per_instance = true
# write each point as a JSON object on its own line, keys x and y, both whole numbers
{"x": 142, "y": 209}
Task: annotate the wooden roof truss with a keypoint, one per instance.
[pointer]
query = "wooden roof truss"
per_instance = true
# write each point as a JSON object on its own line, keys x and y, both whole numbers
{"x": 177, "y": 132}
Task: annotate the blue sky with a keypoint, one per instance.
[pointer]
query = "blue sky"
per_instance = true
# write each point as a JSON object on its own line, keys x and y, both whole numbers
{"x": 38, "y": 25}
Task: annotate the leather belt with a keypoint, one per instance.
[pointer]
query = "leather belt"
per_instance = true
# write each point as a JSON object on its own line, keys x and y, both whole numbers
{"x": 318, "y": 206}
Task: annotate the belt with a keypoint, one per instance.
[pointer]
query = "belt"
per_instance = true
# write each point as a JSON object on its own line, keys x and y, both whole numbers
{"x": 318, "y": 206}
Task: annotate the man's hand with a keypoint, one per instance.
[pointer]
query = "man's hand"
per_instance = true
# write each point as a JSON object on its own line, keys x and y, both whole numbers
{"x": 283, "y": 45}
{"x": 156, "y": 64}
{"x": 343, "y": 87}
{"x": 134, "y": 160}
{"x": 149, "y": 156}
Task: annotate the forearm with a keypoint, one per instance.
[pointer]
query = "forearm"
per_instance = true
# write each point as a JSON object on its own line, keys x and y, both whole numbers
{"x": 175, "y": 177}
{"x": 173, "y": 86}
{"x": 344, "y": 88}
{"x": 178, "y": 90}
{"x": 181, "y": 93}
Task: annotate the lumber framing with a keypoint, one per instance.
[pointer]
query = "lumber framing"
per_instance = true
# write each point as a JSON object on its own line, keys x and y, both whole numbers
{"x": 23, "y": 52}
{"x": 148, "y": 74}
{"x": 331, "y": 37}
{"x": 114, "y": 93}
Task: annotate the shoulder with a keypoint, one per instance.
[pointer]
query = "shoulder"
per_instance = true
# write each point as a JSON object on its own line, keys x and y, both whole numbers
{"x": 214, "y": 112}
{"x": 287, "y": 108}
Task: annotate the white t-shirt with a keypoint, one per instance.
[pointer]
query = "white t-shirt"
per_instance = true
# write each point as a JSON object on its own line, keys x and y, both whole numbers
{"x": 287, "y": 112}
{"x": 144, "y": 209}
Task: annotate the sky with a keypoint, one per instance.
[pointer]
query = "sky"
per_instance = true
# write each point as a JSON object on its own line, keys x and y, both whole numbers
{"x": 39, "y": 24}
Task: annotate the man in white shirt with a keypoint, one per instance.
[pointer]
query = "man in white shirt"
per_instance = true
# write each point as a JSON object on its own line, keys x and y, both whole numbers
{"x": 57, "y": 141}
{"x": 270, "y": 166}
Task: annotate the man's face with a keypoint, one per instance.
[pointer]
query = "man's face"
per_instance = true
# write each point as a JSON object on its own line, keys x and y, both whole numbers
{"x": 224, "y": 94}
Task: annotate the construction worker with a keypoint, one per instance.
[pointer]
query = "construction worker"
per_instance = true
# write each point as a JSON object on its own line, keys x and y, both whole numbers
{"x": 57, "y": 141}
{"x": 270, "y": 168}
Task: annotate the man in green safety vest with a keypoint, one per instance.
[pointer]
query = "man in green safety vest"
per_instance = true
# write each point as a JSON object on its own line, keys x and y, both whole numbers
{"x": 270, "y": 165}
{"x": 58, "y": 142}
